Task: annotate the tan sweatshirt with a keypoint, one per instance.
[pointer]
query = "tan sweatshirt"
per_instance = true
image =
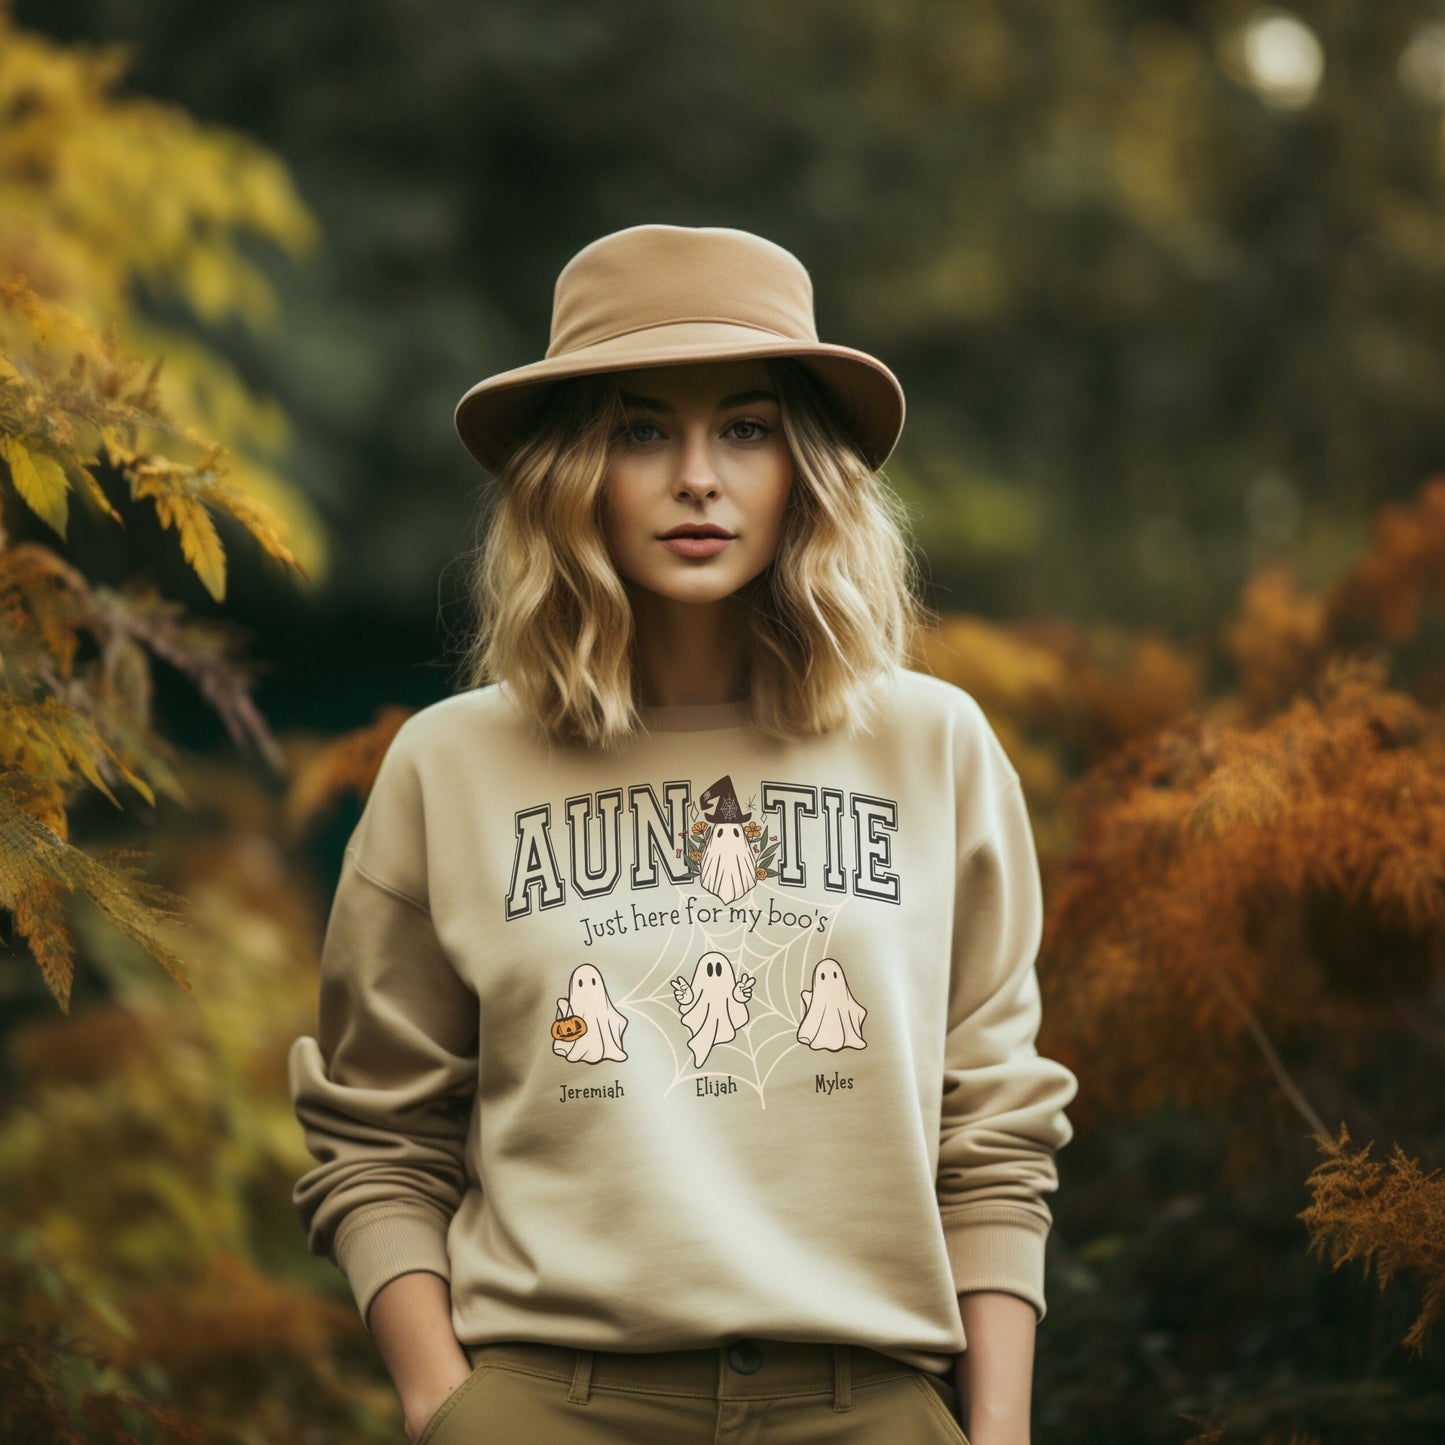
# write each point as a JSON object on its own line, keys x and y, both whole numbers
{"x": 715, "y": 1036}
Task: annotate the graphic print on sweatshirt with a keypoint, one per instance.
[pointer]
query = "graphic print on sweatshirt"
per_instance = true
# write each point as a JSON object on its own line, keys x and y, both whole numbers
{"x": 728, "y": 981}
{"x": 736, "y": 970}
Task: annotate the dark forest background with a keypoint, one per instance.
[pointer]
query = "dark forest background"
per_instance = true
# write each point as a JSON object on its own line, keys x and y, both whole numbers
{"x": 1161, "y": 310}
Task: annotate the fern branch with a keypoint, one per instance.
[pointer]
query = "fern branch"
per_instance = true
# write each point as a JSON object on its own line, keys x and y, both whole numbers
{"x": 1276, "y": 1065}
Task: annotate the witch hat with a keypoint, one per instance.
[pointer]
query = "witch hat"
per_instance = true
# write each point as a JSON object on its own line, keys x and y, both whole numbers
{"x": 720, "y": 804}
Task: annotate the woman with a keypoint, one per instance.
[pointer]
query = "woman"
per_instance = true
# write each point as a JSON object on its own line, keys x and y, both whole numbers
{"x": 675, "y": 1076}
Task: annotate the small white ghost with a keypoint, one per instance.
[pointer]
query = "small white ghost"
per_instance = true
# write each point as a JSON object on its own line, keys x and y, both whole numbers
{"x": 587, "y": 999}
{"x": 728, "y": 868}
{"x": 832, "y": 1017}
{"x": 714, "y": 1004}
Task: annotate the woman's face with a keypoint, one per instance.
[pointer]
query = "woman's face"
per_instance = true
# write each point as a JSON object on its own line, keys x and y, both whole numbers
{"x": 702, "y": 447}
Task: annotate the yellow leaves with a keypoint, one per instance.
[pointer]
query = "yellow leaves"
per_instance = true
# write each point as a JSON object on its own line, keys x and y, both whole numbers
{"x": 98, "y": 732}
{"x": 38, "y": 869}
{"x": 200, "y": 544}
{"x": 149, "y": 1125}
{"x": 261, "y": 522}
{"x": 40, "y": 77}
{"x": 197, "y": 386}
{"x": 93, "y": 399}
{"x": 39, "y": 479}
{"x": 180, "y": 507}
{"x": 97, "y": 192}
{"x": 44, "y": 340}
{"x": 262, "y": 503}
{"x": 83, "y": 479}
{"x": 207, "y": 280}
{"x": 118, "y": 451}
{"x": 83, "y": 169}
{"x": 50, "y": 740}
{"x": 183, "y": 499}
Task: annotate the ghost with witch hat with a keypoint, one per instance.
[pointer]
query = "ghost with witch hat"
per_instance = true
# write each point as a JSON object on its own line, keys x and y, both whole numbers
{"x": 601, "y": 1026}
{"x": 832, "y": 1017}
{"x": 714, "y": 1005}
{"x": 728, "y": 868}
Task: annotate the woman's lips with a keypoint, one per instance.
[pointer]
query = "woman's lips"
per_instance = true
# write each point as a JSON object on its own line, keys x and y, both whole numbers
{"x": 696, "y": 546}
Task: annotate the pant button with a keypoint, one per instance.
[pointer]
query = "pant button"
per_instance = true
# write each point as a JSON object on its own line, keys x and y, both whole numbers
{"x": 745, "y": 1357}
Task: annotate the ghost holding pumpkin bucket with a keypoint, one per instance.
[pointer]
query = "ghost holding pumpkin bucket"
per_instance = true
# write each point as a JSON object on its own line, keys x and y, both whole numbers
{"x": 588, "y": 1028}
{"x": 833, "y": 1018}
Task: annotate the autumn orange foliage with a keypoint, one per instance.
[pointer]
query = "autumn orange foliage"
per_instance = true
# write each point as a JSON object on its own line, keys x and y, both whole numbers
{"x": 1390, "y": 1214}
{"x": 1233, "y": 879}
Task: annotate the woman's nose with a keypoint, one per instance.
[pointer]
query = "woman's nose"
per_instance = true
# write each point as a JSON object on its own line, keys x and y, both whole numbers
{"x": 696, "y": 472}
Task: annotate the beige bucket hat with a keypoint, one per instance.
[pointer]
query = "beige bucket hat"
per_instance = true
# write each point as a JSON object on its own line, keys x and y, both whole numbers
{"x": 655, "y": 295}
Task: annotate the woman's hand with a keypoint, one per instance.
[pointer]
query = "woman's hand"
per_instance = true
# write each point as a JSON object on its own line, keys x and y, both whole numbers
{"x": 418, "y": 1408}
{"x": 411, "y": 1322}
{"x": 994, "y": 1374}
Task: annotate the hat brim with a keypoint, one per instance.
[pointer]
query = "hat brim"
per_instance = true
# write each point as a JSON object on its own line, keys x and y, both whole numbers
{"x": 494, "y": 413}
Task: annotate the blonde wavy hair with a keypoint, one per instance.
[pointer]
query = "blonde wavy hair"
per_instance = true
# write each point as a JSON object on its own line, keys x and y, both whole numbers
{"x": 837, "y": 607}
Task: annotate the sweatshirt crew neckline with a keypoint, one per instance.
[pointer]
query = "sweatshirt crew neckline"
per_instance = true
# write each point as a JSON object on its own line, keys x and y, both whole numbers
{"x": 695, "y": 717}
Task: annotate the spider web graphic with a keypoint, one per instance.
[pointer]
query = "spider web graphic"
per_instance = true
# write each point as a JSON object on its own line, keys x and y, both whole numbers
{"x": 780, "y": 971}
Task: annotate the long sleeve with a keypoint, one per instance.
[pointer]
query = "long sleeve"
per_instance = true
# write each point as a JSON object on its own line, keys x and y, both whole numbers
{"x": 384, "y": 1091}
{"x": 1003, "y": 1104}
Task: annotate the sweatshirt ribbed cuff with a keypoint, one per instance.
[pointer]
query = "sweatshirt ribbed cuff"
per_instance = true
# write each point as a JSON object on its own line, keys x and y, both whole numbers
{"x": 997, "y": 1247}
{"x": 377, "y": 1243}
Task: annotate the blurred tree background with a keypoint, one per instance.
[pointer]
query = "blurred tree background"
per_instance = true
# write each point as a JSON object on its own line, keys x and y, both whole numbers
{"x": 1163, "y": 283}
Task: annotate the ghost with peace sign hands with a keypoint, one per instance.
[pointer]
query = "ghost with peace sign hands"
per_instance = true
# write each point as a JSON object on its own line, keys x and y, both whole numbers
{"x": 714, "y": 1004}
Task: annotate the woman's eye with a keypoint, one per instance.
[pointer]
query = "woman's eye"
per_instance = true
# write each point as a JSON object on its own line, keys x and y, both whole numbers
{"x": 626, "y": 434}
{"x": 751, "y": 431}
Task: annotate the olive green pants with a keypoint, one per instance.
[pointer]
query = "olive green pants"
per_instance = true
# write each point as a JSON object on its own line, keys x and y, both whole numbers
{"x": 749, "y": 1391}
